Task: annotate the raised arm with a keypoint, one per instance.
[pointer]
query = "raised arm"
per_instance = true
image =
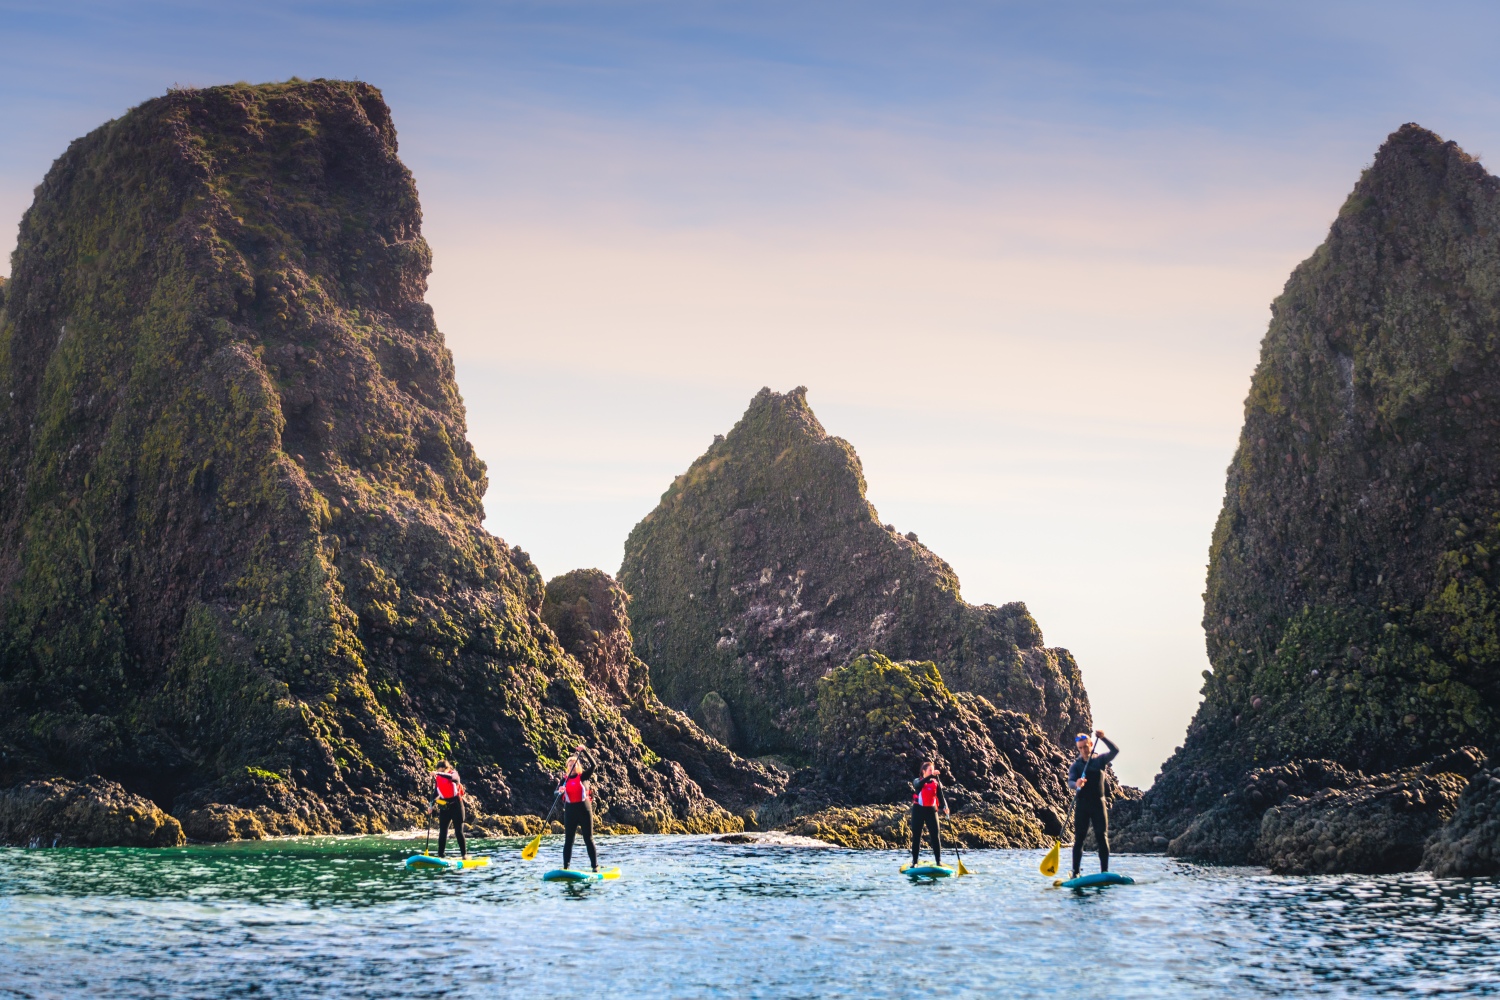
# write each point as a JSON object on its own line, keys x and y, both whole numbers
{"x": 1104, "y": 758}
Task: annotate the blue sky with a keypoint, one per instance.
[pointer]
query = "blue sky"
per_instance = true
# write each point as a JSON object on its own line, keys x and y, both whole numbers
{"x": 1021, "y": 254}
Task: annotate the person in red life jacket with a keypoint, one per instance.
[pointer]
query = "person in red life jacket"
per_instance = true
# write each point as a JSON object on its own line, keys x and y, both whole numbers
{"x": 927, "y": 796}
{"x": 450, "y": 807}
{"x": 578, "y": 808}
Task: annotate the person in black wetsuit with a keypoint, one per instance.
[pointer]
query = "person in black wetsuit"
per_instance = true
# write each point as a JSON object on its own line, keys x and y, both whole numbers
{"x": 1086, "y": 777}
{"x": 578, "y": 808}
{"x": 449, "y": 802}
{"x": 927, "y": 796}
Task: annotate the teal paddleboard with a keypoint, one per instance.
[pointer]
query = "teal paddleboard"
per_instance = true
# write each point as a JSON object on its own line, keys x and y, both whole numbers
{"x": 569, "y": 875}
{"x": 432, "y": 863}
{"x": 1098, "y": 878}
{"x": 927, "y": 871}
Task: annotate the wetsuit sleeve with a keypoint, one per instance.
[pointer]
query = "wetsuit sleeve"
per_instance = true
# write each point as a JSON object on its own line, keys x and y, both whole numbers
{"x": 587, "y": 760}
{"x": 1103, "y": 759}
{"x": 1075, "y": 771}
{"x": 942, "y": 799}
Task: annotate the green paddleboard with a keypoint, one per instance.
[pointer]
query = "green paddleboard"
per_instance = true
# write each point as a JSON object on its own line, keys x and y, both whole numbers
{"x": 569, "y": 875}
{"x": 927, "y": 871}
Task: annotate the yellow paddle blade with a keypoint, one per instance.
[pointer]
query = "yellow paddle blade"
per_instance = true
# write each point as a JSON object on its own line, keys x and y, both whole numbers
{"x": 528, "y": 852}
{"x": 1049, "y": 863}
{"x": 961, "y": 869}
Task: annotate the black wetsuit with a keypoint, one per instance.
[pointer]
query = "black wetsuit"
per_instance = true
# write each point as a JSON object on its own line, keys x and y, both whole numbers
{"x": 451, "y": 811}
{"x": 925, "y": 817}
{"x": 579, "y": 816}
{"x": 1088, "y": 804}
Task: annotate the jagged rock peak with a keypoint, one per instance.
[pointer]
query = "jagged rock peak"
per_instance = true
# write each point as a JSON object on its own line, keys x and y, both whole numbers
{"x": 764, "y": 567}
{"x": 1352, "y": 578}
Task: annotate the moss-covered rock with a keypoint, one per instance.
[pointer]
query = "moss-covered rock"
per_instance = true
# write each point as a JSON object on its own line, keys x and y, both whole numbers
{"x": 1352, "y": 610}
{"x": 242, "y": 567}
{"x": 89, "y": 813}
{"x": 764, "y": 567}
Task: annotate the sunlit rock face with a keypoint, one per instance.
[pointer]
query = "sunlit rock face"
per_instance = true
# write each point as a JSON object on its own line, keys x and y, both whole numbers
{"x": 1351, "y": 611}
{"x": 764, "y": 568}
{"x": 242, "y": 568}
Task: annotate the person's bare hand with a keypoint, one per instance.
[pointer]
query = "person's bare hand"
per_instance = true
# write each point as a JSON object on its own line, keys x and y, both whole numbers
{"x": 1099, "y": 732}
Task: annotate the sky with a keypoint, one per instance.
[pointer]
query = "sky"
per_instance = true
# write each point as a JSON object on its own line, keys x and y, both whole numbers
{"x": 1021, "y": 254}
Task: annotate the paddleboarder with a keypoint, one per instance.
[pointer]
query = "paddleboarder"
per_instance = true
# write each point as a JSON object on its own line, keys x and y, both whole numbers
{"x": 578, "y": 807}
{"x": 927, "y": 796}
{"x": 1086, "y": 776}
{"x": 449, "y": 802}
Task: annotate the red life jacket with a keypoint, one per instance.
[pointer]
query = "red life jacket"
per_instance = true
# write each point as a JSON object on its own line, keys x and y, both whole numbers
{"x": 928, "y": 796}
{"x": 447, "y": 786}
{"x": 573, "y": 790}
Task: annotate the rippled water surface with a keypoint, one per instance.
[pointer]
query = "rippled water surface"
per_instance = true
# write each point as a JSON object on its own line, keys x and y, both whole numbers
{"x": 692, "y": 918}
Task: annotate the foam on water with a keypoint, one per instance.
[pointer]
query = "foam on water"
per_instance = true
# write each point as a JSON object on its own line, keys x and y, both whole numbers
{"x": 693, "y": 918}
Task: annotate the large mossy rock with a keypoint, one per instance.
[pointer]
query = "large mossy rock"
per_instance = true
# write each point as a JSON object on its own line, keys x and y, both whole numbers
{"x": 764, "y": 567}
{"x": 1352, "y": 611}
{"x": 880, "y": 720}
{"x": 242, "y": 567}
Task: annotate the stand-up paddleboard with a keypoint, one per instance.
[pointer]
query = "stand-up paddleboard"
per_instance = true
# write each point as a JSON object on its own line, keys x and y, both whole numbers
{"x": 1098, "y": 878}
{"x": 927, "y": 871}
{"x": 569, "y": 875}
{"x": 434, "y": 863}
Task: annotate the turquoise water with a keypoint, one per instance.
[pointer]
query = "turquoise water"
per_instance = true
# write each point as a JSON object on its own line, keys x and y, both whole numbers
{"x": 340, "y": 917}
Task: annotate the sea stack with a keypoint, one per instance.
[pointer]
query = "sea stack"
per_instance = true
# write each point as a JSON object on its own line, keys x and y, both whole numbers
{"x": 1351, "y": 611}
{"x": 764, "y": 568}
{"x": 242, "y": 568}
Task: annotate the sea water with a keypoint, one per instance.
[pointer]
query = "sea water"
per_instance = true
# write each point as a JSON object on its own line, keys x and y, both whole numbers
{"x": 691, "y": 917}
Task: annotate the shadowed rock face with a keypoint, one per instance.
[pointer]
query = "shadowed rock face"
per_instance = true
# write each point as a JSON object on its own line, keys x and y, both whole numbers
{"x": 587, "y": 610}
{"x": 1351, "y": 610}
{"x": 1469, "y": 844}
{"x": 89, "y": 813}
{"x": 242, "y": 570}
{"x": 764, "y": 567}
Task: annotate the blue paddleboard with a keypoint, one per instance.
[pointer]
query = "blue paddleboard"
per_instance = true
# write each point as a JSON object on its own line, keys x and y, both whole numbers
{"x": 433, "y": 863}
{"x": 927, "y": 871}
{"x": 1098, "y": 878}
{"x": 570, "y": 875}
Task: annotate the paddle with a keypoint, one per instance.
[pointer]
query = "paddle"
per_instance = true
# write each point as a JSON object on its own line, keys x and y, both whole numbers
{"x": 1049, "y": 863}
{"x": 528, "y": 853}
{"x": 427, "y": 847}
{"x": 958, "y": 850}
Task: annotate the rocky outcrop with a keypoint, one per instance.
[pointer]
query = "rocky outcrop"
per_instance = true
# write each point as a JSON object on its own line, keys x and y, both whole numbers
{"x": 89, "y": 813}
{"x": 1469, "y": 844}
{"x": 879, "y": 721}
{"x": 1376, "y": 828}
{"x": 764, "y": 567}
{"x": 1352, "y": 604}
{"x": 588, "y": 611}
{"x": 242, "y": 567}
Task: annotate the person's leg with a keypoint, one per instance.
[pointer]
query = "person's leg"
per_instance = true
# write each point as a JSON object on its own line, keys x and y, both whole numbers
{"x": 937, "y": 837}
{"x": 1080, "y": 831}
{"x": 587, "y": 826}
{"x": 917, "y": 821}
{"x": 570, "y": 828}
{"x": 442, "y": 831}
{"x": 1101, "y": 834}
{"x": 458, "y": 829}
